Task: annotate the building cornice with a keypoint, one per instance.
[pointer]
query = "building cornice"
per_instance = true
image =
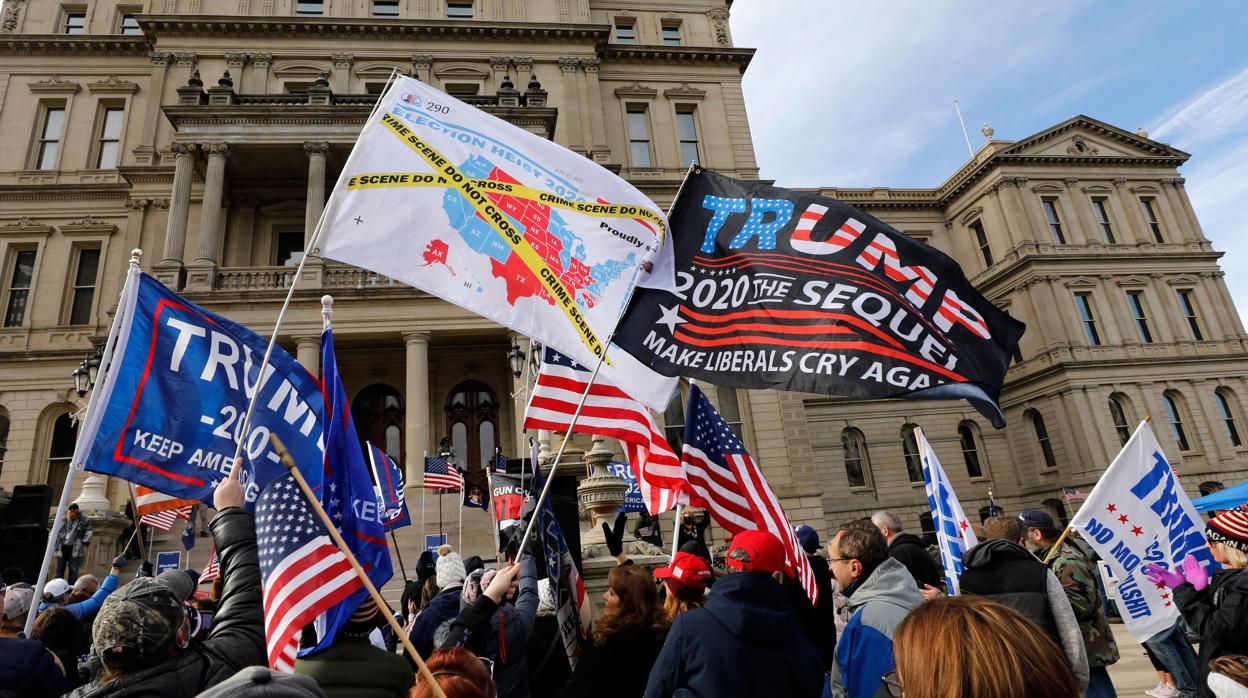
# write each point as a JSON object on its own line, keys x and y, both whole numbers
{"x": 343, "y": 116}
{"x": 63, "y": 192}
{"x": 228, "y": 26}
{"x": 699, "y": 55}
{"x": 76, "y": 45}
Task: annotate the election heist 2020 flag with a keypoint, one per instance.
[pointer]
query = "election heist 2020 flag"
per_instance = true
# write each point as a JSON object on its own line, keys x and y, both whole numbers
{"x": 1137, "y": 515}
{"x": 171, "y": 407}
{"x": 787, "y": 290}
{"x": 495, "y": 219}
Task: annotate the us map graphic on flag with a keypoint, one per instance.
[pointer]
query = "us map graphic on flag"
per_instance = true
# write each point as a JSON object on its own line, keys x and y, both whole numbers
{"x": 495, "y": 219}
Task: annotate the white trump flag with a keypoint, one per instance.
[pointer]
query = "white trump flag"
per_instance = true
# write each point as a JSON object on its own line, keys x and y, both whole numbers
{"x": 953, "y": 529}
{"x": 495, "y": 219}
{"x": 1137, "y": 515}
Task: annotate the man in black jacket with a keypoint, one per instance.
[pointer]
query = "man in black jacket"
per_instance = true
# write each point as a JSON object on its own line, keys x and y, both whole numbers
{"x": 142, "y": 634}
{"x": 818, "y": 624}
{"x": 908, "y": 549}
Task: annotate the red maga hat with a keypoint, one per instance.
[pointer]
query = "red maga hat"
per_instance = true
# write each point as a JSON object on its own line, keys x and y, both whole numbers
{"x": 765, "y": 551}
{"x": 688, "y": 569}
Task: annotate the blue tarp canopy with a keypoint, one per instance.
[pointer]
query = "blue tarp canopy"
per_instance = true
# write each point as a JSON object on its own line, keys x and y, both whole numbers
{"x": 1228, "y": 498}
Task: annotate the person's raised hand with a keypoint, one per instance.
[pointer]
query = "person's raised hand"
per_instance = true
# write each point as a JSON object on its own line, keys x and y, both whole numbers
{"x": 498, "y": 586}
{"x": 118, "y": 564}
{"x": 1160, "y": 575}
{"x": 615, "y": 536}
{"x": 230, "y": 492}
{"x": 1194, "y": 572}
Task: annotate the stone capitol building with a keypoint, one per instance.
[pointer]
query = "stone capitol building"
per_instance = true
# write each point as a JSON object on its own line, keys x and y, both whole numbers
{"x": 207, "y": 133}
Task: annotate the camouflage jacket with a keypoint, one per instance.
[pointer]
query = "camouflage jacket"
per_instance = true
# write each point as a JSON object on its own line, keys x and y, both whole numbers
{"x": 1078, "y": 577}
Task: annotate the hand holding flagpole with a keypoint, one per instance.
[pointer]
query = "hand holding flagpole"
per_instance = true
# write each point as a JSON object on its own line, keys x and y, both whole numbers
{"x": 315, "y": 504}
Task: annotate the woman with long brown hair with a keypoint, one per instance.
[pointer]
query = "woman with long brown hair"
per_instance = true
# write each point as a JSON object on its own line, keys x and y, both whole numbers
{"x": 626, "y": 640}
{"x": 988, "y": 651}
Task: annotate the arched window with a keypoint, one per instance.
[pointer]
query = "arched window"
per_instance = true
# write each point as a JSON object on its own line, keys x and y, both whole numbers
{"x": 1058, "y": 508}
{"x": 910, "y": 449}
{"x": 857, "y": 465}
{"x": 1118, "y": 412}
{"x": 378, "y": 414}
{"x": 60, "y": 452}
{"x": 968, "y": 435}
{"x": 4, "y": 436}
{"x": 1208, "y": 488}
{"x": 1042, "y": 438}
{"x": 1173, "y": 400}
{"x": 1228, "y": 406}
{"x": 674, "y": 421}
{"x": 472, "y": 425}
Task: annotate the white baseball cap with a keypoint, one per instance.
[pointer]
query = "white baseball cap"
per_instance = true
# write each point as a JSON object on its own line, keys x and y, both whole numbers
{"x": 56, "y": 587}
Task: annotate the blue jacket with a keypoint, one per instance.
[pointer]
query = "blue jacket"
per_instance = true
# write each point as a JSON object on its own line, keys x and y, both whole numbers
{"x": 744, "y": 642}
{"x": 442, "y": 608}
{"x": 87, "y": 608}
{"x": 864, "y": 651}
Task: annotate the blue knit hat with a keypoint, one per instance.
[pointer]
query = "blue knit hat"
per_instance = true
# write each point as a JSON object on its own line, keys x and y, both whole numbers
{"x": 809, "y": 538}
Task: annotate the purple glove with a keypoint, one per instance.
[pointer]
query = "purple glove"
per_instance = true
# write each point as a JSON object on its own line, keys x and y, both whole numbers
{"x": 1194, "y": 573}
{"x": 1159, "y": 575}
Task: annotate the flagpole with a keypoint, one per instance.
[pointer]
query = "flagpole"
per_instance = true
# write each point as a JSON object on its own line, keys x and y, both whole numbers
{"x": 309, "y": 249}
{"x": 138, "y": 520}
{"x": 580, "y": 404}
{"x": 106, "y": 362}
{"x": 424, "y": 463}
{"x": 460, "y": 546}
{"x": 355, "y": 564}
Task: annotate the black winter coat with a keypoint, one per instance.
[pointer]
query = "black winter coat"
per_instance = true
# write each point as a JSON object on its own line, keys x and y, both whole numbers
{"x": 619, "y": 668}
{"x": 1219, "y": 612}
{"x": 28, "y": 670}
{"x": 744, "y": 642}
{"x": 908, "y": 549}
{"x": 1006, "y": 573}
{"x": 237, "y": 636}
{"x": 548, "y": 661}
{"x": 817, "y": 624}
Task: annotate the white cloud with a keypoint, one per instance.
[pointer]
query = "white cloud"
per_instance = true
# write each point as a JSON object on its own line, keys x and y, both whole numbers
{"x": 1218, "y": 112}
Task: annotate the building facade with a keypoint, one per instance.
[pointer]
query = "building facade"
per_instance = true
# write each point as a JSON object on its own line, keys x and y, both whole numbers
{"x": 207, "y": 133}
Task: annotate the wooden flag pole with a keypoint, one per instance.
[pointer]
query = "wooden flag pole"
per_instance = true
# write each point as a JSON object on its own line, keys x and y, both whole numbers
{"x": 355, "y": 564}
{"x": 1062, "y": 538}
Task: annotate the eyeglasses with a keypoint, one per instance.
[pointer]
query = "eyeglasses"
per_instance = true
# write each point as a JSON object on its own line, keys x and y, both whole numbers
{"x": 892, "y": 684}
{"x": 489, "y": 665}
{"x": 840, "y": 559}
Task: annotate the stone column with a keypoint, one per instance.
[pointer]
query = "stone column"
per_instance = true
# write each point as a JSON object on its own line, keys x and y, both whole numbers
{"x": 582, "y": 97}
{"x": 169, "y": 270}
{"x": 145, "y": 152}
{"x": 600, "y": 152}
{"x": 342, "y": 68}
{"x": 202, "y": 271}
{"x": 572, "y": 122}
{"x": 308, "y": 353}
{"x": 316, "y": 152}
{"x": 417, "y": 412}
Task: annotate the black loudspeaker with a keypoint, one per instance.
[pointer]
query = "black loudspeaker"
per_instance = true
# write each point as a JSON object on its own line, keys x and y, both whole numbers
{"x": 514, "y": 465}
{"x": 23, "y": 548}
{"x": 29, "y": 506}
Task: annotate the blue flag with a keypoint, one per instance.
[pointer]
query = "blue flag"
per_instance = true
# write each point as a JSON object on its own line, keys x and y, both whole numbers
{"x": 188, "y": 534}
{"x": 348, "y": 497}
{"x": 171, "y": 406}
{"x": 391, "y": 483}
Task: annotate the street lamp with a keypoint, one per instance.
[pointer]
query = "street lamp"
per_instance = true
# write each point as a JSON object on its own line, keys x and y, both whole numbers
{"x": 87, "y": 373}
{"x": 516, "y": 357}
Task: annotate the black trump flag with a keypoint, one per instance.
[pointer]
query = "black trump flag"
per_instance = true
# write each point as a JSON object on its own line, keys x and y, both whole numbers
{"x": 792, "y": 291}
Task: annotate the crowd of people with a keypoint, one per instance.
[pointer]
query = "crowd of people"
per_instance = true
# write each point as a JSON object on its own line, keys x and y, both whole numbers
{"x": 1029, "y": 620}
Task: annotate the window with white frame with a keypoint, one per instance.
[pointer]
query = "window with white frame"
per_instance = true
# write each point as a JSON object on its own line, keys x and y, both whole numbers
{"x": 687, "y": 135}
{"x": 130, "y": 25}
{"x": 108, "y": 139}
{"x": 670, "y": 30}
{"x": 51, "y": 130}
{"x": 625, "y": 30}
{"x": 74, "y": 21}
{"x": 638, "y": 136}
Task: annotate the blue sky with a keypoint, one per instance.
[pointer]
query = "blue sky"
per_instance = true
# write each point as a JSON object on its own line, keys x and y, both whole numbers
{"x": 860, "y": 93}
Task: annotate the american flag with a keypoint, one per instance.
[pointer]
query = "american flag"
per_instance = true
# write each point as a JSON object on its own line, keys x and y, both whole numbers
{"x": 953, "y": 529}
{"x": 213, "y": 570}
{"x": 441, "y": 474}
{"x": 1074, "y": 495}
{"x": 304, "y": 573}
{"x": 608, "y": 411}
{"x": 727, "y": 481}
{"x": 159, "y": 510}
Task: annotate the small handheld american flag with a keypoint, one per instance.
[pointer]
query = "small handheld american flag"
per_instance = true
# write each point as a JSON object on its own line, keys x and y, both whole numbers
{"x": 304, "y": 573}
{"x": 441, "y": 474}
{"x": 1074, "y": 495}
{"x": 213, "y": 570}
{"x": 159, "y": 510}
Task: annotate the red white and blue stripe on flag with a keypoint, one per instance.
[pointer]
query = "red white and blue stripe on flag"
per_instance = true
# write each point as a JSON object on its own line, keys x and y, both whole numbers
{"x": 392, "y": 485}
{"x": 953, "y": 529}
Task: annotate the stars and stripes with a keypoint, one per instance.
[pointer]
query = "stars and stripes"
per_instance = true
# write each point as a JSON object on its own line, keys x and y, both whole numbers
{"x": 304, "y": 573}
{"x": 441, "y": 474}
{"x": 213, "y": 570}
{"x": 725, "y": 480}
{"x": 1074, "y": 495}
{"x": 608, "y": 411}
{"x": 953, "y": 529}
{"x": 159, "y": 510}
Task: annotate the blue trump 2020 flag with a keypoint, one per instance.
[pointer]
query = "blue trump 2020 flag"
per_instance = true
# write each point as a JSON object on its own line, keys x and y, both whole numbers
{"x": 391, "y": 485}
{"x": 348, "y": 497}
{"x": 171, "y": 406}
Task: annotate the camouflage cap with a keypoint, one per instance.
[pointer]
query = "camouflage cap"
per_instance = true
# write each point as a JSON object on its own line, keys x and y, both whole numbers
{"x": 143, "y": 615}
